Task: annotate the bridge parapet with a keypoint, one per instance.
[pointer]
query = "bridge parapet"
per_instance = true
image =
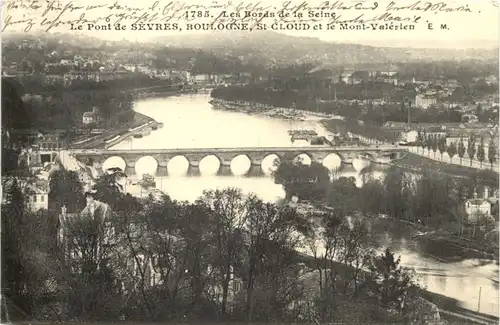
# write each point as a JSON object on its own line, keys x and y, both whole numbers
{"x": 226, "y": 155}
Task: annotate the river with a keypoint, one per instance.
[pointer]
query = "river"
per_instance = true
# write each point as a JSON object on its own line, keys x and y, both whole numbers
{"x": 191, "y": 122}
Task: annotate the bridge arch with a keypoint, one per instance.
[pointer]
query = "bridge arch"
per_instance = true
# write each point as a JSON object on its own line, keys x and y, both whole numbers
{"x": 303, "y": 158}
{"x": 146, "y": 165}
{"x": 178, "y": 166}
{"x": 240, "y": 165}
{"x": 114, "y": 162}
{"x": 361, "y": 162}
{"x": 270, "y": 163}
{"x": 367, "y": 155}
{"x": 332, "y": 161}
{"x": 209, "y": 165}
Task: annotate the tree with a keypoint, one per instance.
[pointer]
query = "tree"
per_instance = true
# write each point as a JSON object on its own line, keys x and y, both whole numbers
{"x": 442, "y": 146}
{"x": 340, "y": 265}
{"x": 273, "y": 234}
{"x": 452, "y": 150}
{"x": 471, "y": 148}
{"x": 227, "y": 217}
{"x": 65, "y": 189}
{"x": 392, "y": 285}
{"x": 344, "y": 195}
{"x": 429, "y": 142}
{"x": 479, "y": 110}
{"x": 480, "y": 152}
{"x": 26, "y": 239}
{"x": 88, "y": 267}
{"x": 420, "y": 140}
{"x": 371, "y": 196}
{"x": 461, "y": 149}
{"x": 433, "y": 197}
{"x": 492, "y": 152}
{"x": 306, "y": 182}
{"x": 394, "y": 200}
{"x": 434, "y": 144}
{"x": 147, "y": 181}
{"x": 423, "y": 142}
{"x": 108, "y": 189}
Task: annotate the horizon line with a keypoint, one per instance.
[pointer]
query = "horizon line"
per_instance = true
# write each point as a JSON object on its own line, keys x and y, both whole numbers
{"x": 379, "y": 43}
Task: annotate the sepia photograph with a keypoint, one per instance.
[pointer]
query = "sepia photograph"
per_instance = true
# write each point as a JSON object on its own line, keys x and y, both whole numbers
{"x": 250, "y": 162}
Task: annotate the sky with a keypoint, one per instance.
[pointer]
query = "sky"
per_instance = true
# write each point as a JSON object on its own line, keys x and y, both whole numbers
{"x": 476, "y": 25}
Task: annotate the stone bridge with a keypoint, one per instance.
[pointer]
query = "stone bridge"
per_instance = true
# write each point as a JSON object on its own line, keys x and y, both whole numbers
{"x": 96, "y": 158}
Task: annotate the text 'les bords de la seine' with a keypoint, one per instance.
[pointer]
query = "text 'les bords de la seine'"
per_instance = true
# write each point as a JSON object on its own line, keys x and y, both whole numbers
{"x": 51, "y": 14}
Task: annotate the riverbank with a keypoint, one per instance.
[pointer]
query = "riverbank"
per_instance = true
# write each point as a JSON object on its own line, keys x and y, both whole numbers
{"x": 133, "y": 127}
{"x": 129, "y": 128}
{"x": 271, "y": 111}
{"x": 139, "y": 119}
{"x": 193, "y": 113}
{"x": 417, "y": 163}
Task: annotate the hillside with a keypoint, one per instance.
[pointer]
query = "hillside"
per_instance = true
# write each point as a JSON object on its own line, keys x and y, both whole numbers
{"x": 279, "y": 48}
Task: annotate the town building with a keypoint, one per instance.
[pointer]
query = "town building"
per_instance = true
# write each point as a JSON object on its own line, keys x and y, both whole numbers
{"x": 491, "y": 80}
{"x": 38, "y": 198}
{"x": 470, "y": 118}
{"x": 91, "y": 117}
{"x": 424, "y": 101}
{"x": 51, "y": 142}
{"x": 396, "y": 129}
{"x": 421, "y": 82}
{"x": 346, "y": 76}
{"x": 41, "y": 148}
{"x": 476, "y": 208}
{"x": 435, "y": 131}
{"x": 201, "y": 78}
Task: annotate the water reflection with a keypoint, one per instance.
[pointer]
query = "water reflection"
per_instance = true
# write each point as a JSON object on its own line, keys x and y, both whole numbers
{"x": 190, "y": 122}
{"x": 460, "y": 280}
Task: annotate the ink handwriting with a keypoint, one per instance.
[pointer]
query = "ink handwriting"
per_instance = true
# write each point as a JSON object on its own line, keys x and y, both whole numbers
{"x": 50, "y": 14}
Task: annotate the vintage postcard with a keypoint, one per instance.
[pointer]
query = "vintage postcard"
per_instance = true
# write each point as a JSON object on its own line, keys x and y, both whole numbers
{"x": 278, "y": 161}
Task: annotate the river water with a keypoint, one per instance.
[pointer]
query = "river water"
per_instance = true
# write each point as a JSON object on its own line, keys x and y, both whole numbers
{"x": 191, "y": 122}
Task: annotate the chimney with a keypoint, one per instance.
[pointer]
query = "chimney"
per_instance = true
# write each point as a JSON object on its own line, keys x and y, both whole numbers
{"x": 486, "y": 193}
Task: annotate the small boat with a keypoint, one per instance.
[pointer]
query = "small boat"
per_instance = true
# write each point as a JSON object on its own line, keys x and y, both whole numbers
{"x": 138, "y": 135}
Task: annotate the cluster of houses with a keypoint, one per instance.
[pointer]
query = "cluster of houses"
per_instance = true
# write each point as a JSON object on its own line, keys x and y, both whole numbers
{"x": 91, "y": 117}
{"x": 478, "y": 207}
{"x": 429, "y": 92}
{"x": 453, "y": 132}
{"x": 66, "y": 67}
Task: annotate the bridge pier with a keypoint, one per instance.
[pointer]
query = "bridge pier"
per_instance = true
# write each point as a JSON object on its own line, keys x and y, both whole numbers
{"x": 129, "y": 171}
{"x": 130, "y": 162}
{"x": 194, "y": 163}
{"x": 162, "y": 171}
{"x": 225, "y": 162}
{"x": 96, "y": 164}
{"x": 256, "y": 162}
{"x": 255, "y": 170}
{"x": 97, "y": 157}
{"x": 224, "y": 170}
{"x": 194, "y": 170}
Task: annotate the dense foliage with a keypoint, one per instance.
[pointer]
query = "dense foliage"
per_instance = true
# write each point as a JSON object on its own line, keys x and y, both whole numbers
{"x": 63, "y": 107}
{"x": 227, "y": 256}
{"x": 433, "y": 199}
{"x": 318, "y": 95}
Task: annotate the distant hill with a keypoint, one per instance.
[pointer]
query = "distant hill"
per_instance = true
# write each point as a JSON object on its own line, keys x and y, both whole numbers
{"x": 274, "y": 47}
